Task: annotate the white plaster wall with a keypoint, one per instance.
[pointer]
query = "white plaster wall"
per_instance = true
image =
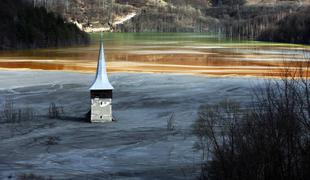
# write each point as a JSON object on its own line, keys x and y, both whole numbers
{"x": 101, "y": 110}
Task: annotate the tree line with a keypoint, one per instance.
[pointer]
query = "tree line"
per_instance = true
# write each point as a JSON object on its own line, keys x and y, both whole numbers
{"x": 294, "y": 28}
{"x": 283, "y": 22}
{"x": 280, "y": 23}
{"x": 24, "y": 26}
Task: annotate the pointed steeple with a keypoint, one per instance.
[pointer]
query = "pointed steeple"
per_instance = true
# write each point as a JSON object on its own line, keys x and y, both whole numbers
{"x": 101, "y": 81}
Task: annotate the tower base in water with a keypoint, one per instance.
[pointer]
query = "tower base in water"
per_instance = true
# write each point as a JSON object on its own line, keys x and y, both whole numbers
{"x": 101, "y": 106}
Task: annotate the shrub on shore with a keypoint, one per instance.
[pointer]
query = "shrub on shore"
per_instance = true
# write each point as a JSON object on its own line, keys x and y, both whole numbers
{"x": 268, "y": 140}
{"x": 11, "y": 114}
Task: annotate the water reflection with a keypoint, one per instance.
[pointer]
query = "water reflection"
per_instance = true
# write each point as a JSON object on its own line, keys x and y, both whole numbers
{"x": 188, "y": 53}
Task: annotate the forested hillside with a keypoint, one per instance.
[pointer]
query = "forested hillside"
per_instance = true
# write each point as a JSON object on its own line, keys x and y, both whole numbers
{"x": 241, "y": 19}
{"x": 23, "y": 26}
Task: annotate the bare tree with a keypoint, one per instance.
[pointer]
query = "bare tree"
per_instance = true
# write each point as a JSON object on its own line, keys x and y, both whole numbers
{"x": 11, "y": 114}
{"x": 171, "y": 123}
{"x": 268, "y": 140}
{"x": 55, "y": 111}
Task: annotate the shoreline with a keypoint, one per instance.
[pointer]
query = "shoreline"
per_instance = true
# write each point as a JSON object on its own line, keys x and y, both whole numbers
{"x": 212, "y": 72}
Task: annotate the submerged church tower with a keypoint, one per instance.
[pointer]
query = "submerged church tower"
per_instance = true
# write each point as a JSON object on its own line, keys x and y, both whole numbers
{"x": 101, "y": 92}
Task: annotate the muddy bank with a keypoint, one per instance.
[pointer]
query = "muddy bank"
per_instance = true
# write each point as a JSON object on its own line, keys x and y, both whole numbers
{"x": 138, "y": 145}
